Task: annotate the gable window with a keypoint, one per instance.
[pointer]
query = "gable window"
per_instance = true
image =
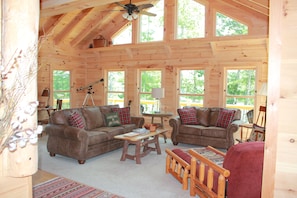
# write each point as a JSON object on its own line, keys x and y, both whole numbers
{"x": 152, "y": 27}
{"x": 124, "y": 36}
{"x": 190, "y": 19}
{"x": 116, "y": 88}
{"x": 226, "y": 26}
{"x": 61, "y": 88}
{"x": 149, "y": 79}
{"x": 191, "y": 88}
{"x": 240, "y": 89}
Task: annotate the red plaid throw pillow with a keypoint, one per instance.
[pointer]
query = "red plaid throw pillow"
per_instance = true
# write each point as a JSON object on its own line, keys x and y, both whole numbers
{"x": 124, "y": 114}
{"x": 76, "y": 120}
{"x": 225, "y": 117}
{"x": 188, "y": 115}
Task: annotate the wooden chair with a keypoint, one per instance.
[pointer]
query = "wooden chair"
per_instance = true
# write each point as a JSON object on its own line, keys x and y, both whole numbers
{"x": 59, "y": 104}
{"x": 260, "y": 122}
{"x": 207, "y": 179}
{"x": 240, "y": 176}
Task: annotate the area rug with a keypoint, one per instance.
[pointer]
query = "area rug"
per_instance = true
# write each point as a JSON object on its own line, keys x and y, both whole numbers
{"x": 66, "y": 188}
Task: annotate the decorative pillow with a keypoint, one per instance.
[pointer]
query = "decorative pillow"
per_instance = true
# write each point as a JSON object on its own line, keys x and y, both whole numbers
{"x": 112, "y": 119}
{"x": 257, "y": 134}
{"x": 203, "y": 116}
{"x": 124, "y": 114}
{"x": 93, "y": 117}
{"x": 188, "y": 115}
{"x": 225, "y": 117}
{"x": 76, "y": 120}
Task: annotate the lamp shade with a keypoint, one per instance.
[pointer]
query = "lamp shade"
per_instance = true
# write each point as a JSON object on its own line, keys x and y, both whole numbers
{"x": 45, "y": 92}
{"x": 263, "y": 90}
{"x": 158, "y": 93}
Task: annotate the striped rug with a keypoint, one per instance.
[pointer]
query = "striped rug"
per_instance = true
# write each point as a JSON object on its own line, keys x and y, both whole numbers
{"x": 66, "y": 188}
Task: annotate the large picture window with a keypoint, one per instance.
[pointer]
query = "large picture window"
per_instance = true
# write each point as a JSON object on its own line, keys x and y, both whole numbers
{"x": 148, "y": 80}
{"x": 116, "y": 88}
{"x": 61, "y": 88}
{"x": 240, "y": 89}
{"x": 191, "y": 89}
{"x": 190, "y": 19}
{"x": 152, "y": 27}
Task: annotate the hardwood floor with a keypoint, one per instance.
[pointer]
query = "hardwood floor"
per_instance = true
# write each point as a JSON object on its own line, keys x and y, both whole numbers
{"x": 41, "y": 176}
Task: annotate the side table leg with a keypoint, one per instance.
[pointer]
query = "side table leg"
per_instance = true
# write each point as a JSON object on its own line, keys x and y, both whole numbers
{"x": 157, "y": 145}
{"x": 137, "y": 152}
{"x": 125, "y": 150}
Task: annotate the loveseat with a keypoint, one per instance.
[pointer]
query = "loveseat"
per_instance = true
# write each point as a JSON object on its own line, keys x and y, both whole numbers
{"x": 205, "y": 126}
{"x": 82, "y": 133}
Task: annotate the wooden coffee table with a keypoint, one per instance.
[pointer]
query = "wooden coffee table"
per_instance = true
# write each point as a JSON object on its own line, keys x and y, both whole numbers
{"x": 140, "y": 140}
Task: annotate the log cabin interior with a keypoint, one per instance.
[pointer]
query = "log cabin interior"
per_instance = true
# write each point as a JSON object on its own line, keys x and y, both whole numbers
{"x": 67, "y": 29}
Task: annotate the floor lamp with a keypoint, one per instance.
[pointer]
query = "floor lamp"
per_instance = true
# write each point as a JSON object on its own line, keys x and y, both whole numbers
{"x": 158, "y": 93}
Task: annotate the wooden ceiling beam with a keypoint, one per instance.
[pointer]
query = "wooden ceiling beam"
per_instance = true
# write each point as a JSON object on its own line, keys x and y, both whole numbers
{"x": 100, "y": 19}
{"x": 255, "y": 6}
{"x": 56, "y": 7}
{"x": 71, "y": 25}
{"x": 50, "y": 25}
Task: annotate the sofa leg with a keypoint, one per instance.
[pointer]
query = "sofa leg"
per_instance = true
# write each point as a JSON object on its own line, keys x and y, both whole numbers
{"x": 81, "y": 161}
{"x": 52, "y": 154}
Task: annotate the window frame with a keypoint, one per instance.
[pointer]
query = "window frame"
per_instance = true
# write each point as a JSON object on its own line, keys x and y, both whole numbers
{"x": 254, "y": 97}
{"x": 140, "y": 86}
{"x": 178, "y": 93}
{"x": 54, "y": 100}
{"x": 122, "y": 92}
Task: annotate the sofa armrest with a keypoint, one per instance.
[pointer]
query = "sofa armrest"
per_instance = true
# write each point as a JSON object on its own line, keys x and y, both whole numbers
{"x": 65, "y": 131}
{"x": 232, "y": 128}
{"x": 138, "y": 121}
{"x": 174, "y": 123}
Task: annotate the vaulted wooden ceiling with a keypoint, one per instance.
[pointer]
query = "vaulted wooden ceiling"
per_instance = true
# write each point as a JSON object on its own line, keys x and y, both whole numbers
{"x": 76, "y": 23}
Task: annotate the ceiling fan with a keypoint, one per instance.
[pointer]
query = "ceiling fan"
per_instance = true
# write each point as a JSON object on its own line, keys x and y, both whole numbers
{"x": 133, "y": 10}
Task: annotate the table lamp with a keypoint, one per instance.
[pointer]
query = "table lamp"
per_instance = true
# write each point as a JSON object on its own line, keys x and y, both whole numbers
{"x": 158, "y": 93}
{"x": 46, "y": 92}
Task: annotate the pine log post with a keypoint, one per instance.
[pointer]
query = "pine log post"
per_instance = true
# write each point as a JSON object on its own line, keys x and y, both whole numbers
{"x": 19, "y": 41}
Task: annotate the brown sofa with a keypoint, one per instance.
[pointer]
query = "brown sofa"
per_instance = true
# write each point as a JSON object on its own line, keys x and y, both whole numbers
{"x": 87, "y": 135}
{"x": 206, "y": 132}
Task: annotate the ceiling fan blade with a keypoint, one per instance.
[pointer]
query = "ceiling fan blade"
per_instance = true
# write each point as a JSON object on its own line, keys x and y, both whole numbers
{"x": 147, "y": 13}
{"x": 144, "y": 6}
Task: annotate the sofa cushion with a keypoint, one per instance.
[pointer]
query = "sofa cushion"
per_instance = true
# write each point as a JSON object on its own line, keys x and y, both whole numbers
{"x": 76, "y": 120}
{"x": 203, "y": 116}
{"x": 191, "y": 129}
{"x": 58, "y": 117}
{"x": 105, "y": 110}
{"x": 225, "y": 117}
{"x": 93, "y": 117}
{"x": 124, "y": 114}
{"x": 188, "y": 115}
{"x": 112, "y": 119}
{"x": 214, "y": 132}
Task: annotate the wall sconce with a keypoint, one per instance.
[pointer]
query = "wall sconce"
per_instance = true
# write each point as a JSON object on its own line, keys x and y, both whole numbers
{"x": 158, "y": 93}
{"x": 46, "y": 93}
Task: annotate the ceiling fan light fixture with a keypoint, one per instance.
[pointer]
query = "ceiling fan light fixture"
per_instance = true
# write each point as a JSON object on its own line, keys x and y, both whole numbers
{"x": 129, "y": 17}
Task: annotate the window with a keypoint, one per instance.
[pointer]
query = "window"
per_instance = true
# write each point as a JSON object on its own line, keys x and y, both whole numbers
{"x": 226, "y": 26}
{"x": 191, "y": 91}
{"x": 124, "y": 36}
{"x": 240, "y": 89}
{"x": 116, "y": 88}
{"x": 190, "y": 19}
{"x": 152, "y": 27}
{"x": 148, "y": 80}
{"x": 61, "y": 88}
